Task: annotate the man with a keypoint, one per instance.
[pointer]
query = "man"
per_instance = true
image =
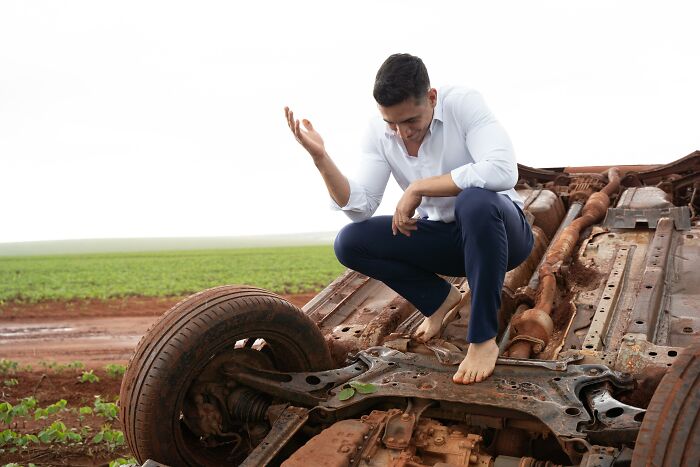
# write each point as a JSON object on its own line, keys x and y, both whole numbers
{"x": 457, "y": 168}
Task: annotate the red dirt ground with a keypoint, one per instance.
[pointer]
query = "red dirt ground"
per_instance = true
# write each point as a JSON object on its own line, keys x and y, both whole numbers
{"x": 94, "y": 332}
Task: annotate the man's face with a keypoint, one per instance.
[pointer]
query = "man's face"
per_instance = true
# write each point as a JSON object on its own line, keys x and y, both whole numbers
{"x": 411, "y": 118}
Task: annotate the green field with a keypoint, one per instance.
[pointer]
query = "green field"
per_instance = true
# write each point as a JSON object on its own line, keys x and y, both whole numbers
{"x": 157, "y": 274}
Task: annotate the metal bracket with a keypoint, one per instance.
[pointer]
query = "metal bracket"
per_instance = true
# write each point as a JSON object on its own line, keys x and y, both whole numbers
{"x": 622, "y": 218}
{"x": 294, "y": 387}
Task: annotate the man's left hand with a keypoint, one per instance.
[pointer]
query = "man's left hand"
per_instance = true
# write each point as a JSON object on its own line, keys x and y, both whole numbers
{"x": 403, "y": 220}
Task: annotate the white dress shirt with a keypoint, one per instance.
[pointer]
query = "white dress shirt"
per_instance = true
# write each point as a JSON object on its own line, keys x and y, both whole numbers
{"x": 464, "y": 139}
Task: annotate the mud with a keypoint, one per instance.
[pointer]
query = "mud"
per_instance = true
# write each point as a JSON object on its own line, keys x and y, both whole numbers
{"x": 95, "y": 332}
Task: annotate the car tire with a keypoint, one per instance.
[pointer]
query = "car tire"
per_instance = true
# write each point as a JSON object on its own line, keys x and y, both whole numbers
{"x": 178, "y": 346}
{"x": 670, "y": 432}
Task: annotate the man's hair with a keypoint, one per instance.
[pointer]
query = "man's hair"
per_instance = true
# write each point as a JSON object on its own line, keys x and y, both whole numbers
{"x": 401, "y": 76}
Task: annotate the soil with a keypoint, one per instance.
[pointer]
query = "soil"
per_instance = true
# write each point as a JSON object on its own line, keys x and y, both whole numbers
{"x": 95, "y": 332}
{"x": 44, "y": 338}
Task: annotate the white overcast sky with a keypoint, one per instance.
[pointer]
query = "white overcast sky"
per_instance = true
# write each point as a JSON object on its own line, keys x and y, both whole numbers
{"x": 164, "y": 118}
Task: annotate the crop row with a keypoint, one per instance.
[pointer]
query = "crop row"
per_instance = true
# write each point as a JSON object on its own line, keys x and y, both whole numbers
{"x": 156, "y": 274}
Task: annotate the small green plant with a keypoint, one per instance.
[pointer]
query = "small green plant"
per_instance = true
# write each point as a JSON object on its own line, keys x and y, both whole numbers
{"x": 50, "y": 409}
{"x": 48, "y": 365}
{"x": 356, "y": 386}
{"x": 88, "y": 377}
{"x": 122, "y": 461}
{"x": 8, "y": 412}
{"x": 8, "y": 367}
{"x": 108, "y": 410}
{"x": 75, "y": 365}
{"x": 112, "y": 438}
{"x": 10, "y": 382}
{"x": 59, "y": 367}
{"x": 58, "y": 433}
{"x": 115, "y": 370}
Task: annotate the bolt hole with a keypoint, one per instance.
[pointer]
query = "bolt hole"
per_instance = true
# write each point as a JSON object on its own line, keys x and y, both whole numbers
{"x": 614, "y": 412}
{"x": 391, "y": 363}
{"x": 672, "y": 353}
{"x": 611, "y": 285}
{"x": 573, "y": 411}
{"x": 639, "y": 321}
{"x": 556, "y": 379}
{"x": 392, "y": 307}
{"x": 687, "y": 330}
{"x": 345, "y": 329}
{"x": 589, "y": 346}
{"x": 313, "y": 380}
{"x": 358, "y": 368}
{"x": 394, "y": 384}
{"x": 688, "y": 236}
{"x": 606, "y": 298}
{"x": 653, "y": 354}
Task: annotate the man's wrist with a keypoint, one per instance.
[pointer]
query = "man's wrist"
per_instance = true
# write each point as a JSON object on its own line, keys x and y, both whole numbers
{"x": 319, "y": 158}
{"x": 415, "y": 188}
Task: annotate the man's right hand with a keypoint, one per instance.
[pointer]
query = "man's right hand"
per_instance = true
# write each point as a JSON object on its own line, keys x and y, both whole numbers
{"x": 309, "y": 138}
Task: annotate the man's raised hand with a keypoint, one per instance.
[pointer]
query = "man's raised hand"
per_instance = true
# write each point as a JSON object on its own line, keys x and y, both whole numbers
{"x": 309, "y": 138}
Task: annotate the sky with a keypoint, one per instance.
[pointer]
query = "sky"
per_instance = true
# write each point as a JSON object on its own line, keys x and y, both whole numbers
{"x": 165, "y": 119}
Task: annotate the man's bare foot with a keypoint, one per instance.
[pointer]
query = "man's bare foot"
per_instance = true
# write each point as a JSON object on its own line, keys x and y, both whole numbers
{"x": 431, "y": 325}
{"x": 478, "y": 364}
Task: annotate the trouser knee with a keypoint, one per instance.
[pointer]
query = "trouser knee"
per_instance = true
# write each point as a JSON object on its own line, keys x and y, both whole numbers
{"x": 348, "y": 244}
{"x": 475, "y": 206}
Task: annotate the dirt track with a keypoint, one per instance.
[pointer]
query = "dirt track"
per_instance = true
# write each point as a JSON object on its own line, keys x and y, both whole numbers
{"x": 94, "y": 332}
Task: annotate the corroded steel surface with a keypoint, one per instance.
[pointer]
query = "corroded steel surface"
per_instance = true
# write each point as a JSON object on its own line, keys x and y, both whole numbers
{"x": 607, "y": 306}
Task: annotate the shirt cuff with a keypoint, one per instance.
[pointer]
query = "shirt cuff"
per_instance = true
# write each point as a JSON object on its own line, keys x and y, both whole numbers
{"x": 466, "y": 177}
{"x": 356, "y": 202}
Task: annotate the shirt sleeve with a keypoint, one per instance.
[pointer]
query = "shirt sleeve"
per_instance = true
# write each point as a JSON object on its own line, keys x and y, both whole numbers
{"x": 368, "y": 184}
{"x": 494, "y": 166}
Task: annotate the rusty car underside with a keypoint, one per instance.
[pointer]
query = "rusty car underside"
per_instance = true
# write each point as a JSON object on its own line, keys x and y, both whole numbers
{"x": 599, "y": 338}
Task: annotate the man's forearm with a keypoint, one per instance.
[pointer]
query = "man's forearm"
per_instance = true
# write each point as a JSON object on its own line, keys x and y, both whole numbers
{"x": 441, "y": 185}
{"x": 336, "y": 183}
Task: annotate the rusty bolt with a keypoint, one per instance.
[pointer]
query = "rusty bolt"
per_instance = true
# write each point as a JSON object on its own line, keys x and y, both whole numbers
{"x": 405, "y": 417}
{"x": 593, "y": 371}
{"x": 344, "y": 449}
{"x": 390, "y": 439}
{"x": 439, "y": 440}
{"x": 473, "y": 459}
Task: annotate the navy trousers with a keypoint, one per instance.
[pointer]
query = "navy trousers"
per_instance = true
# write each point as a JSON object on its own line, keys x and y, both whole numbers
{"x": 490, "y": 236}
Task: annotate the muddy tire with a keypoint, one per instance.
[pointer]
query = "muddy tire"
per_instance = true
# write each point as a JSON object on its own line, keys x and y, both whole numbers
{"x": 174, "y": 351}
{"x": 670, "y": 432}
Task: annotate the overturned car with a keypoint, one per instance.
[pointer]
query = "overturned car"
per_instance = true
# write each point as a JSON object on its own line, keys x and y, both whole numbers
{"x": 599, "y": 338}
